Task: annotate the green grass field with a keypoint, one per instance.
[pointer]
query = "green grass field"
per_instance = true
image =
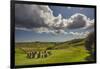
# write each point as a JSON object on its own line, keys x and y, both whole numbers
{"x": 63, "y": 52}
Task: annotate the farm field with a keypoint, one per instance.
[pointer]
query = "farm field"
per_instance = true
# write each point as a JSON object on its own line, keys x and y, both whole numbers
{"x": 50, "y": 52}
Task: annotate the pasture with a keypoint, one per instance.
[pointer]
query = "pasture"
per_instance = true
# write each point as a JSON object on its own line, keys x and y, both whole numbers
{"x": 32, "y": 53}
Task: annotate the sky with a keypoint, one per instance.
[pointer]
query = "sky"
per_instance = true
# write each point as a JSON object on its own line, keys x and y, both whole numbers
{"x": 52, "y": 23}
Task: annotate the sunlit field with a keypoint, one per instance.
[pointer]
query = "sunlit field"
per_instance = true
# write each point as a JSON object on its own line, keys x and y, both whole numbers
{"x": 70, "y": 51}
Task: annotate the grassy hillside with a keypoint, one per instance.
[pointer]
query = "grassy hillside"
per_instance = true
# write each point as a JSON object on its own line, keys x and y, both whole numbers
{"x": 69, "y": 51}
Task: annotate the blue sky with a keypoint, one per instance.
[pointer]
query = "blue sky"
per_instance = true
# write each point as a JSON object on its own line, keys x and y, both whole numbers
{"x": 66, "y": 12}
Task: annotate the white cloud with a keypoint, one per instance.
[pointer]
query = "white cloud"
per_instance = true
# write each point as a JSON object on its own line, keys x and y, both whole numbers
{"x": 25, "y": 29}
{"x": 40, "y": 18}
{"x": 77, "y": 21}
{"x": 41, "y": 29}
{"x": 69, "y": 7}
{"x": 89, "y": 24}
{"x": 80, "y": 33}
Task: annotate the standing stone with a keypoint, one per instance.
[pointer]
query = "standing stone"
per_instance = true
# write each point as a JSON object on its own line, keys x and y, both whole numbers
{"x": 36, "y": 55}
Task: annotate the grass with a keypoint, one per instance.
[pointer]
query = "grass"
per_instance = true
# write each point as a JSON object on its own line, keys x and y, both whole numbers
{"x": 62, "y": 53}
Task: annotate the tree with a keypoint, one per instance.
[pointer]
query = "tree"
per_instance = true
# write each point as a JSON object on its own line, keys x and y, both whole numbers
{"x": 90, "y": 44}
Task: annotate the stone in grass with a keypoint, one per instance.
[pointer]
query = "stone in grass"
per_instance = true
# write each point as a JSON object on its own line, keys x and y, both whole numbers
{"x": 37, "y": 54}
{"x": 33, "y": 54}
{"x": 48, "y": 53}
{"x": 28, "y": 55}
{"x": 42, "y": 54}
{"x": 45, "y": 54}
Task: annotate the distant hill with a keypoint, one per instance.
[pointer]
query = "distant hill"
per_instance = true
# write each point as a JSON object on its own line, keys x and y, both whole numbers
{"x": 52, "y": 45}
{"x": 73, "y": 43}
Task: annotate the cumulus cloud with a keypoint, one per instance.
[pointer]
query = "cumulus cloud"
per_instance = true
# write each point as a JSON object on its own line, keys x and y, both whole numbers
{"x": 41, "y": 30}
{"x": 77, "y": 21}
{"x": 40, "y": 18}
{"x": 28, "y": 16}
{"x": 89, "y": 24}
{"x": 80, "y": 33}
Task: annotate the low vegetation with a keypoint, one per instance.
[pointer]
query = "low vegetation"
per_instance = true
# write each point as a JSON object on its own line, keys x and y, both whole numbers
{"x": 50, "y": 52}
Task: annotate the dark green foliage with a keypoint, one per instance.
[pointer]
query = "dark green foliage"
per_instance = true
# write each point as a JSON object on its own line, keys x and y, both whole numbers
{"x": 90, "y": 45}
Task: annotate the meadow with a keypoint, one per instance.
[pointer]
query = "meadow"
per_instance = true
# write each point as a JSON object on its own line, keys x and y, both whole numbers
{"x": 32, "y": 53}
